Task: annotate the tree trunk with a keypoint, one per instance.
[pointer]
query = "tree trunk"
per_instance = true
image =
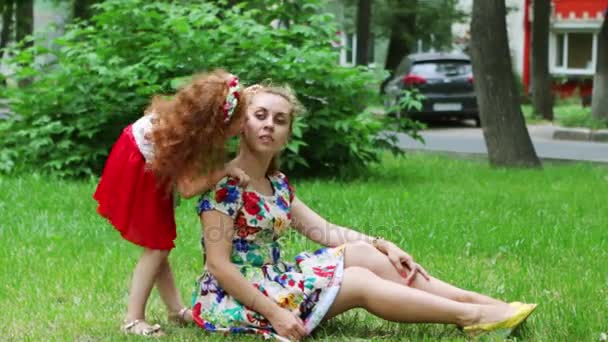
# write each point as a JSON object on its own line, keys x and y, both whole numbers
{"x": 397, "y": 49}
{"x": 599, "y": 100}
{"x": 25, "y": 19}
{"x": 83, "y": 10}
{"x": 504, "y": 129}
{"x": 364, "y": 13}
{"x": 542, "y": 96}
{"x": 7, "y": 23}
{"x": 402, "y": 27}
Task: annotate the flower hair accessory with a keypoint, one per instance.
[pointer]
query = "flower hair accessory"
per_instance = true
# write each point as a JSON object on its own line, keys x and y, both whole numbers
{"x": 232, "y": 99}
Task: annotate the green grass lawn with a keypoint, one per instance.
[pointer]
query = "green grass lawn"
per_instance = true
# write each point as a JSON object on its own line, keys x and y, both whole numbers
{"x": 535, "y": 236}
{"x": 567, "y": 114}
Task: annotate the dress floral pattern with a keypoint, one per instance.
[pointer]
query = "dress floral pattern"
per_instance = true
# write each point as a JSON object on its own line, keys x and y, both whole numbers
{"x": 307, "y": 287}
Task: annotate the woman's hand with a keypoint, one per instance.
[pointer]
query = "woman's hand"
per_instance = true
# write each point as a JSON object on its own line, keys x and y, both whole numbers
{"x": 287, "y": 324}
{"x": 239, "y": 174}
{"x": 404, "y": 263}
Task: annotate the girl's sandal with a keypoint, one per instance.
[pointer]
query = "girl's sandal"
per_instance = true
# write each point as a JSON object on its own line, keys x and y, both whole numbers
{"x": 182, "y": 317}
{"x": 141, "y": 328}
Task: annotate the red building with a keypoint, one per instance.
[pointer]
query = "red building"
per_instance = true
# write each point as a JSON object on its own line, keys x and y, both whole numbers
{"x": 573, "y": 40}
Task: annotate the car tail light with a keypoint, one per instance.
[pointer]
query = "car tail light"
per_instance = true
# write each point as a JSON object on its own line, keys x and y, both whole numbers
{"x": 470, "y": 79}
{"x": 413, "y": 80}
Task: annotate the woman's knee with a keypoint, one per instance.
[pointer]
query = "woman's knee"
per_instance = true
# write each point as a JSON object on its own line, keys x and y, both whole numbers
{"x": 357, "y": 254}
{"x": 357, "y": 282}
{"x": 352, "y": 292}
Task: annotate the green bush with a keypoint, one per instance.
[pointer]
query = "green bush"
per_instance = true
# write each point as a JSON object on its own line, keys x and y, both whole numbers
{"x": 568, "y": 113}
{"x": 104, "y": 72}
{"x": 577, "y": 116}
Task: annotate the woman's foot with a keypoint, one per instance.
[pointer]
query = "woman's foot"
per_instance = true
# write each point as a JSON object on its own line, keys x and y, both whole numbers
{"x": 181, "y": 317}
{"x": 496, "y": 313}
{"x": 503, "y": 326}
{"x": 482, "y": 313}
{"x": 142, "y": 328}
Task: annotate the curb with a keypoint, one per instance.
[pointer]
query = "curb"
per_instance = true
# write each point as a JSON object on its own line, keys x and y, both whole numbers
{"x": 4, "y": 114}
{"x": 581, "y": 134}
{"x": 484, "y": 157}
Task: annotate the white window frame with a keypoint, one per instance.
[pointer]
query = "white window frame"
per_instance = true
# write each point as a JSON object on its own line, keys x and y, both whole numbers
{"x": 344, "y": 52}
{"x": 564, "y": 70}
{"x": 344, "y": 49}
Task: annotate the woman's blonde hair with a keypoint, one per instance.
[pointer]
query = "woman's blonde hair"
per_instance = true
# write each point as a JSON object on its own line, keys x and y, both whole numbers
{"x": 286, "y": 92}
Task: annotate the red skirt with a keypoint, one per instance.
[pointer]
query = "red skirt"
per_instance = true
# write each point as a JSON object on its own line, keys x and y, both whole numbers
{"x": 133, "y": 200}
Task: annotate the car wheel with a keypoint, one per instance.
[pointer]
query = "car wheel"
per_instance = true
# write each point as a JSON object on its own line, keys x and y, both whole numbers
{"x": 477, "y": 122}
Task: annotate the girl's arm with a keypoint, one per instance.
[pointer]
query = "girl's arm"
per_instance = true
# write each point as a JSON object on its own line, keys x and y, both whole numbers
{"x": 188, "y": 187}
{"x": 218, "y": 234}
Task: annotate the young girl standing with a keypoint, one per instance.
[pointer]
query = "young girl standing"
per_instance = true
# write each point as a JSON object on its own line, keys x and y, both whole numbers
{"x": 177, "y": 145}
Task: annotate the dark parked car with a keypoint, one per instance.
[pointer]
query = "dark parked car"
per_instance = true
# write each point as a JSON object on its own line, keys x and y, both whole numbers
{"x": 444, "y": 79}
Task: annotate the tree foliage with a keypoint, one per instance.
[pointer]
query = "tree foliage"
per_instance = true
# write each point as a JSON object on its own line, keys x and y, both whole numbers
{"x": 105, "y": 71}
{"x": 406, "y": 22}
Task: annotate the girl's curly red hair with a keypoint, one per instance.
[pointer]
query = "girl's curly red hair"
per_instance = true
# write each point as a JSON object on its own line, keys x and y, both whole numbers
{"x": 189, "y": 131}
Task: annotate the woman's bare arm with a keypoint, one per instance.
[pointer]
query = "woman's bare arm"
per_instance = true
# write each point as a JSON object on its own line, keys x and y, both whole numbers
{"x": 218, "y": 233}
{"x": 318, "y": 229}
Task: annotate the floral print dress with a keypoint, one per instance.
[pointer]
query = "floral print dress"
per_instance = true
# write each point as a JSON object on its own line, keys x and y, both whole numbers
{"x": 306, "y": 287}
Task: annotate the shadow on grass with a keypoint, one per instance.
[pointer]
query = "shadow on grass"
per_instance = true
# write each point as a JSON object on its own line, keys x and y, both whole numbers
{"x": 359, "y": 325}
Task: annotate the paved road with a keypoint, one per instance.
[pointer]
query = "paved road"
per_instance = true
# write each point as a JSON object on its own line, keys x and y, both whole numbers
{"x": 4, "y": 112}
{"x": 469, "y": 140}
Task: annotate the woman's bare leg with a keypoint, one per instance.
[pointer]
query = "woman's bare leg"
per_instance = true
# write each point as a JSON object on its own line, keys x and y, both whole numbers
{"x": 361, "y": 288}
{"x": 364, "y": 255}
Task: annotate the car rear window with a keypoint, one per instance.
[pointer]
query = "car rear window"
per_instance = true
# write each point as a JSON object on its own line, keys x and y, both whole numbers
{"x": 442, "y": 68}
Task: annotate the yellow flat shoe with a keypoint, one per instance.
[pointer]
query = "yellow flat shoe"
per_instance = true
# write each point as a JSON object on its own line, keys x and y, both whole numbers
{"x": 516, "y": 304}
{"x": 502, "y": 328}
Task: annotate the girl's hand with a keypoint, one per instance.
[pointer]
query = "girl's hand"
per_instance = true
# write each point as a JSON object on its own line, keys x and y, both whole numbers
{"x": 239, "y": 174}
{"x": 404, "y": 263}
{"x": 287, "y": 324}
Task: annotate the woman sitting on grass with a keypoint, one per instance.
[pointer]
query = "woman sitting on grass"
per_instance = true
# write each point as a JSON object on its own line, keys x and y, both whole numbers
{"x": 246, "y": 285}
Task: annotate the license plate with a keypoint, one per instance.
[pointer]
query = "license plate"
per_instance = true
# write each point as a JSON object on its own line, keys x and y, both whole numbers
{"x": 446, "y": 107}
